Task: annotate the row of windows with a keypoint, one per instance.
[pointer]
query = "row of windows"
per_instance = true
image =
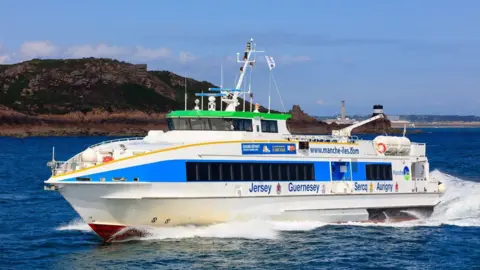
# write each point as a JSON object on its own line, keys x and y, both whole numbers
{"x": 221, "y": 124}
{"x": 379, "y": 171}
{"x": 220, "y": 171}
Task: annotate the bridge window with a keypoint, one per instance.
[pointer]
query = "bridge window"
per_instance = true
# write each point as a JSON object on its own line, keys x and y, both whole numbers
{"x": 249, "y": 171}
{"x": 179, "y": 124}
{"x": 379, "y": 171}
{"x": 199, "y": 124}
{"x": 219, "y": 124}
{"x": 269, "y": 126}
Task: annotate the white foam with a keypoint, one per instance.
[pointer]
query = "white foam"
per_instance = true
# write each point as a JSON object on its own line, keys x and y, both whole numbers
{"x": 252, "y": 229}
{"x": 459, "y": 206}
{"x": 75, "y": 225}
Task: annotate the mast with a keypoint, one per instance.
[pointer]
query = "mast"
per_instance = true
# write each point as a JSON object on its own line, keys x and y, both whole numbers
{"x": 232, "y": 98}
{"x": 185, "y": 90}
{"x": 246, "y": 57}
{"x": 221, "y": 85}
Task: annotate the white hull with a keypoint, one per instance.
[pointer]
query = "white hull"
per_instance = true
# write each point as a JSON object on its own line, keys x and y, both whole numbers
{"x": 134, "y": 205}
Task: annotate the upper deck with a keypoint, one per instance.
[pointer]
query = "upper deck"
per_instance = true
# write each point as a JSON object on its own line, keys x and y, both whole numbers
{"x": 228, "y": 114}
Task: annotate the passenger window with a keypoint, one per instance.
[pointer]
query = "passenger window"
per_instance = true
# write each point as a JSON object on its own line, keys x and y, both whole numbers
{"x": 379, "y": 172}
{"x": 222, "y": 171}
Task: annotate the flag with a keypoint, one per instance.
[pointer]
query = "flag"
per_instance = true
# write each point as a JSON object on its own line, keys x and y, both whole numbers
{"x": 270, "y": 62}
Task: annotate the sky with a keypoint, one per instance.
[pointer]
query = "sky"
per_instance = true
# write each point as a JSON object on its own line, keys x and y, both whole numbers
{"x": 413, "y": 57}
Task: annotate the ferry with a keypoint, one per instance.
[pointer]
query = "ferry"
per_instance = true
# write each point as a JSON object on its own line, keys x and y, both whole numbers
{"x": 214, "y": 166}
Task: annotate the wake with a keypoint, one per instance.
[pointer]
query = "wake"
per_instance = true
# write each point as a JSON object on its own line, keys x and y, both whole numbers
{"x": 459, "y": 207}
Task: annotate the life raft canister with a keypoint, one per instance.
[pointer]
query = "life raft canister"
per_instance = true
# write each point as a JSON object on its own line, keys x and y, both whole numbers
{"x": 381, "y": 148}
{"x": 107, "y": 159}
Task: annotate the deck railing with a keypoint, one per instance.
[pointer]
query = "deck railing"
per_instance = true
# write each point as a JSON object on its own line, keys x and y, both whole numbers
{"x": 60, "y": 167}
{"x": 320, "y": 138}
{"x": 117, "y": 140}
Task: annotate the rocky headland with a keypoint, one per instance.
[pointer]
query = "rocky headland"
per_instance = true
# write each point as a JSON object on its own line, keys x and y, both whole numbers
{"x": 96, "y": 96}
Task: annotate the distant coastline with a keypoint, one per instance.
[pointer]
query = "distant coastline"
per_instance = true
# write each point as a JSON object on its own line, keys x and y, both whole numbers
{"x": 447, "y": 125}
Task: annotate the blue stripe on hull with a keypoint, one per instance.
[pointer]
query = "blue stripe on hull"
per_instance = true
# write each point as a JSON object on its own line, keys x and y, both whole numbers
{"x": 175, "y": 171}
{"x": 322, "y": 171}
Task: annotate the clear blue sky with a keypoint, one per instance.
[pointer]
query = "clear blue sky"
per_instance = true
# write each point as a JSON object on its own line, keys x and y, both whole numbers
{"x": 416, "y": 57}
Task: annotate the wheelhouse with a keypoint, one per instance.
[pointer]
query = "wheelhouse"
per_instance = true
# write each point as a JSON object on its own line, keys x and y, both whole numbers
{"x": 226, "y": 121}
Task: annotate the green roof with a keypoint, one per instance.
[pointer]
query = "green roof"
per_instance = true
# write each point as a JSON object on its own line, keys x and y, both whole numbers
{"x": 225, "y": 114}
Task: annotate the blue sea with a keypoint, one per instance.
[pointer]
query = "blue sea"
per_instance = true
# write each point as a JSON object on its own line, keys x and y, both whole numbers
{"x": 39, "y": 230}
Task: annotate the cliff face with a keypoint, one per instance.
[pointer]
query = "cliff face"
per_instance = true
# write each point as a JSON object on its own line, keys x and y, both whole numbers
{"x": 103, "y": 97}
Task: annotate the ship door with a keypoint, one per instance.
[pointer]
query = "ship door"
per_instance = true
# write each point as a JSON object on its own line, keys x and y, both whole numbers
{"x": 341, "y": 170}
{"x": 257, "y": 127}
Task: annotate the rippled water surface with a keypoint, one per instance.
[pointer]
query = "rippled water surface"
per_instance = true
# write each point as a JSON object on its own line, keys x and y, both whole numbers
{"x": 40, "y": 230}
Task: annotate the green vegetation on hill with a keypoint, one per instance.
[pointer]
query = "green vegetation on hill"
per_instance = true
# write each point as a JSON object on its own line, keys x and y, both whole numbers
{"x": 60, "y": 86}
{"x": 3, "y": 67}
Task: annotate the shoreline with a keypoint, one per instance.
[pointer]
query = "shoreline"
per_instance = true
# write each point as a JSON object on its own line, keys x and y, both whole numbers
{"x": 135, "y": 130}
{"x": 449, "y": 126}
{"x": 440, "y": 125}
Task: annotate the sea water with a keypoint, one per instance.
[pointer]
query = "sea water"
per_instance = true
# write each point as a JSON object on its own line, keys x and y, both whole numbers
{"x": 40, "y": 230}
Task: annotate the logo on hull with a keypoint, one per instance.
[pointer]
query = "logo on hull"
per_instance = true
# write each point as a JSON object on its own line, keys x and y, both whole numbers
{"x": 406, "y": 173}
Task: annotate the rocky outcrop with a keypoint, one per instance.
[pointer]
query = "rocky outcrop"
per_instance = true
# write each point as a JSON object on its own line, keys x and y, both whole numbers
{"x": 306, "y": 124}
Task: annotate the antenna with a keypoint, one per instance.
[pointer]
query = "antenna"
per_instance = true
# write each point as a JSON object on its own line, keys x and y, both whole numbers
{"x": 221, "y": 85}
{"x": 269, "y": 90}
{"x": 185, "y": 90}
{"x": 254, "y": 45}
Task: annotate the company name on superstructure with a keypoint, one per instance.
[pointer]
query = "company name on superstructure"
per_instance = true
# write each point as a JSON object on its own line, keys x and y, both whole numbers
{"x": 335, "y": 150}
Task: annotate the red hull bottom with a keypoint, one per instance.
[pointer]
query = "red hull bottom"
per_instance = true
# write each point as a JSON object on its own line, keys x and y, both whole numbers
{"x": 110, "y": 233}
